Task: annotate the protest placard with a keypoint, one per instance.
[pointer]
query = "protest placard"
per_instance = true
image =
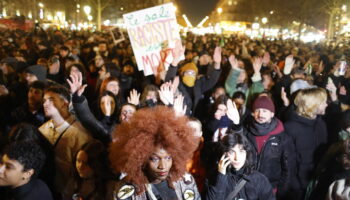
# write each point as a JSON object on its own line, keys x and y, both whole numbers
{"x": 153, "y": 33}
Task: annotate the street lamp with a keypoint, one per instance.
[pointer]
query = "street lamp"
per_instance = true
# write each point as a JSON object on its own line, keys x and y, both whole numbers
{"x": 87, "y": 10}
{"x": 219, "y": 11}
{"x": 264, "y": 20}
{"x": 41, "y": 10}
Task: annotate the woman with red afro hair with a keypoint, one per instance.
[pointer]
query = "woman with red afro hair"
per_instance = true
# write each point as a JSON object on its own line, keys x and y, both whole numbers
{"x": 152, "y": 150}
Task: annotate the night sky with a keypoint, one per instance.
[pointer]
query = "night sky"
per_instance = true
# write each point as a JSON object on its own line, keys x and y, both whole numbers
{"x": 196, "y": 10}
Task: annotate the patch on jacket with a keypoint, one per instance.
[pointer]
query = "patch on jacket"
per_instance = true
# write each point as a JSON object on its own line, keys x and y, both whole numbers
{"x": 274, "y": 143}
{"x": 188, "y": 179}
{"x": 189, "y": 195}
{"x": 125, "y": 192}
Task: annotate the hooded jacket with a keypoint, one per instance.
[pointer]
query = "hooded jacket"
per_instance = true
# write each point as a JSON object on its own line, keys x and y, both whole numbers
{"x": 201, "y": 85}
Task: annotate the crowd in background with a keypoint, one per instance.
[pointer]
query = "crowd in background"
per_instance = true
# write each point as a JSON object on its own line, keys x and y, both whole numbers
{"x": 242, "y": 118}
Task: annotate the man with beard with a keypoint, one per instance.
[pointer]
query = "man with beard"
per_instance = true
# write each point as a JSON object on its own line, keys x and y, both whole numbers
{"x": 273, "y": 148}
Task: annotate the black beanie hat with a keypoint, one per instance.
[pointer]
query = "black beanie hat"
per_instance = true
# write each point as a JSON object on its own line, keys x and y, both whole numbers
{"x": 37, "y": 70}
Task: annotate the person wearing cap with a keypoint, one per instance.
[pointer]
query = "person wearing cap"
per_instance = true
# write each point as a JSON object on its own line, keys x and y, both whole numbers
{"x": 191, "y": 87}
{"x": 35, "y": 73}
{"x": 273, "y": 147}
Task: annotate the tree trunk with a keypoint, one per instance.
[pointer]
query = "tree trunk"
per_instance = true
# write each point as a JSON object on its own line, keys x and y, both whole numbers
{"x": 99, "y": 11}
{"x": 330, "y": 31}
{"x": 299, "y": 30}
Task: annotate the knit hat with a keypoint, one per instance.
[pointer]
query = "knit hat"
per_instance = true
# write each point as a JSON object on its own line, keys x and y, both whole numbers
{"x": 189, "y": 66}
{"x": 11, "y": 61}
{"x": 299, "y": 84}
{"x": 37, "y": 70}
{"x": 265, "y": 103}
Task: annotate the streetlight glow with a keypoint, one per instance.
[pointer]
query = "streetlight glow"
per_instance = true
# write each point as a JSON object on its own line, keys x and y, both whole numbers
{"x": 264, "y": 20}
{"x": 87, "y": 10}
{"x": 89, "y": 17}
{"x": 41, "y": 5}
{"x": 219, "y": 10}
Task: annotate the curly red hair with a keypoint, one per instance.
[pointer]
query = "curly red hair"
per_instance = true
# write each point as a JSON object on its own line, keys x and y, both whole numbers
{"x": 137, "y": 139}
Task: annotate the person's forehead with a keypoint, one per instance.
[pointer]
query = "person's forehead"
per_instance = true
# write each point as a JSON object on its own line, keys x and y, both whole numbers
{"x": 49, "y": 94}
{"x": 107, "y": 98}
{"x": 113, "y": 83}
{"x": 159, "y": 151}
{"x": 35, "y": 89}
{"x": 262, "y": 110}
{"x": 29, "y": 74}
{"x": 128, "y": 107}
{"x": 7, "y": 160}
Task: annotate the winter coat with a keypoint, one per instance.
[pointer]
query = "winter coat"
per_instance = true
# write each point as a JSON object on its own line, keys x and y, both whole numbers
{"x": 185, "y": 189}
{"x": 276, "y": 159}
{"x": 257, "y": 186}
{"x": 309, "y": 137}
{"x": 202, "y": 85}
{"x": 99, "y": 130}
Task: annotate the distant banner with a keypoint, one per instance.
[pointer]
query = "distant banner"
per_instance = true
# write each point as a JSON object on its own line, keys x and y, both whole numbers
{"x": 153, "y": 33}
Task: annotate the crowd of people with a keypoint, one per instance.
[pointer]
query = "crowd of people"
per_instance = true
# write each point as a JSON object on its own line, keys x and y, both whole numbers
{"x": 237, "y": 118}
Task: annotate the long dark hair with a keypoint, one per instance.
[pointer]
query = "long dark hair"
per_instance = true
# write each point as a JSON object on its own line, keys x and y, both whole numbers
{"x": 98, "y": 161}
{"x": 114, "y": 115}
{"x": 231, "y": 140}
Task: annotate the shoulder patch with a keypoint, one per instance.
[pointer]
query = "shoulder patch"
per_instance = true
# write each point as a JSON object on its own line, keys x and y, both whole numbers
{"x": 189, "y": 195}
{"x": 125, "y": 192}
{"x": 188, "y": 179}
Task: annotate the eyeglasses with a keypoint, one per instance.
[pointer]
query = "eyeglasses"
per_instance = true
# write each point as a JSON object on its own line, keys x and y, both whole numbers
{"x": 190, "y": 73}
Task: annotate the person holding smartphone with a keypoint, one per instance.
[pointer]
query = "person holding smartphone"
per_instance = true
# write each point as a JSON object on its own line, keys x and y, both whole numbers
{"x": 236, "y": 178}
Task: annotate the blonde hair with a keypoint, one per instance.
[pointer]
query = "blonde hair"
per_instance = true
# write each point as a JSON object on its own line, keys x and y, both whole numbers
{"x": 309, "y": 100}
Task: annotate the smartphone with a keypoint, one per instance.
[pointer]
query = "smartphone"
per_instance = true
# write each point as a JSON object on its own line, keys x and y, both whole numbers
{"x": 229, "y": 167}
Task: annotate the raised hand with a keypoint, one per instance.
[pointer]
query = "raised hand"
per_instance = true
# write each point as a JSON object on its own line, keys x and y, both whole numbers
{"x": 134, "y": 97}
{"x": 232, "y": 112}
{"x": 178, "y": 52}
{"x": 76, "y": 84}
{"x": 266, "y": 58}
{"x": 179, "y": 107}
{"x": 233, "y": 62}
{"x": 224, "y": 163}
{"x": 288, "y": 65}
{"x": 257, "y": 64}
{"x": 342, "y": 90}
{"x": 3, "y": 90}
{"x": 284, "y": 97}
{"x": 332, "y": 89}
{"x": 175, "y": 84}
{"x": 277, "y": 70}
{"x": 217, "y": 57}
{"x": 166, "y": 93}
{"x": 320, "y": 68}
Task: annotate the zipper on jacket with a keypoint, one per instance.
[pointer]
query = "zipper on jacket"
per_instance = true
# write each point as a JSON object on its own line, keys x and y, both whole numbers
{"x": 262, "y": 150}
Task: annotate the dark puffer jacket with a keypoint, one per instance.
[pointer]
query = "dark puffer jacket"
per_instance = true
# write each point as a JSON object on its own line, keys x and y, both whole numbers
{"x": 276, "y": 159}
{"x": 310, "y": 140}
{"x": 256, "y": 187}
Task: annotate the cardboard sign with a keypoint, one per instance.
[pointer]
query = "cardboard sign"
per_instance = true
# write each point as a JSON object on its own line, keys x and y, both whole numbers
{"x": 153, "y": 33}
